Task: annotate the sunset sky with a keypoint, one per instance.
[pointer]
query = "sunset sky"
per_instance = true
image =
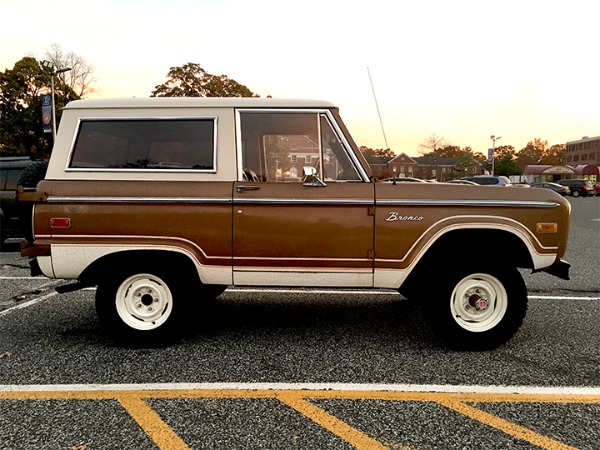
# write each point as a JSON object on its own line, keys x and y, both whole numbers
{"x": 462, "y": 70}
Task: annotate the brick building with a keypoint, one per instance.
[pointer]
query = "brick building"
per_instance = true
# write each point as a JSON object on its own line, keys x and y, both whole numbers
{"x": 584, "y": 151}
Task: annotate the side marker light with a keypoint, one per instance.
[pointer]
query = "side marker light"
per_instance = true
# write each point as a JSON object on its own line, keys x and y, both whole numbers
{"x": 60, "y": 222}
{"x": 546, "y": 228}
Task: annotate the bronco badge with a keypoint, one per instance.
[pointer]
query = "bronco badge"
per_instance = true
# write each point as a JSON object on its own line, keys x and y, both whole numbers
{"x": 397, "y": 217}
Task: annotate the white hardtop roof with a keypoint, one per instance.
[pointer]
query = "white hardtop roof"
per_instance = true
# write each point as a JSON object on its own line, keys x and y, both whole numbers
{"x": 196, "y": 102}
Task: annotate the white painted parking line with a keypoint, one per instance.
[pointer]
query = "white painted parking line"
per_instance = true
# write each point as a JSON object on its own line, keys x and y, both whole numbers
{"x": 334, "y": 291}
{"x": 27, "y": 303}
{"x": 24, "y": 278}
{"x": 560, "y": 297}
{"x": 338, "y": 387}
{"x": 299, "y": 396}
{"x": 282, "y": 291}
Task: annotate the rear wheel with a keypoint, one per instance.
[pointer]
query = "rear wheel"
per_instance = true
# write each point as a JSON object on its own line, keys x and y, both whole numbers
{"x": 140, "y": 307}
{"x": 576, "y": 193}
{"x": 478, "y": 308}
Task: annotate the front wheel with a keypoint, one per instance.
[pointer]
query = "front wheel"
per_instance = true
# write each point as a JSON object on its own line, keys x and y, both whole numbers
{"x": 478, "y": 308}
{"x": 139, "y": 307}
{"x": 576, "y": 193}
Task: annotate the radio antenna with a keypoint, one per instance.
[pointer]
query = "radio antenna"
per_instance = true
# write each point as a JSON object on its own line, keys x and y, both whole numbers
{"x": 377, "y": 106}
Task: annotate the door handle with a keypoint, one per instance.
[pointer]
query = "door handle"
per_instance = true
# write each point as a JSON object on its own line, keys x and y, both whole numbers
{"x": 242, "y": 187}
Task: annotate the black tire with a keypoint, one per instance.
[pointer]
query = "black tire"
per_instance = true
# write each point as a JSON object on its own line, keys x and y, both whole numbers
{"x": 30, "y": 178}
{"x": 3, "y": 234}
{"x": 211, "y": 291}
{"x": 575, "y": 193}
{"x": 141, "y": 307}
{"x": 477, "y": 307}
{"x": 33, "y": 174}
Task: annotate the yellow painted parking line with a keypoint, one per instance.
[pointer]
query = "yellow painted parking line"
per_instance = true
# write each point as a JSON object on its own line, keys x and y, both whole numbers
{"x": 133, "y": 402}
{"x": 162, "y": 435}
{"x": 331, "y": 423}
{"x": 507, "y": 427}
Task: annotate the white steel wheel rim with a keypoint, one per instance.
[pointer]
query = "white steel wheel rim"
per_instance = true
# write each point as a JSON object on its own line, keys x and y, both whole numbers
{"x": 144, "y": 302}
{"x": 470, "y": 294}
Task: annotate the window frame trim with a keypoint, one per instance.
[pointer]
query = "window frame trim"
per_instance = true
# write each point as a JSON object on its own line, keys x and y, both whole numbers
{"x": 318, "y": 112}
{"x": 80, "y": 120}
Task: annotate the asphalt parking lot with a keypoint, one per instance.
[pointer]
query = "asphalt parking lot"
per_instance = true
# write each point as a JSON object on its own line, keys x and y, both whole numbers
{"x": 310, "y": 369}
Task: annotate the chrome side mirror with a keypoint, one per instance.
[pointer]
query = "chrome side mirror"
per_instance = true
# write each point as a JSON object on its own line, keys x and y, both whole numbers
{"x": 311, "y": 179}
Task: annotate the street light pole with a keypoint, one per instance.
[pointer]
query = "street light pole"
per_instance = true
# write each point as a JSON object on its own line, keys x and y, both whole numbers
{"x": 494, "y": 139}
{"x": 49, "y": 65}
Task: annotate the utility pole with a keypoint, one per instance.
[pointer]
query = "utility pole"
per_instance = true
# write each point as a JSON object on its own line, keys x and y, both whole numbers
{"x": 494, "y": 139}
{"x": 49, "y": 66}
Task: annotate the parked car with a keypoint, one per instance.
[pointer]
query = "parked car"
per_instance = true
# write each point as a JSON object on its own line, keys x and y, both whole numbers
{"x": 404, "y": 180}
{"x": 597, "y": 188}
{"x": 489, "y": 180}
{"x": 135, "y": 203}
{"x": 15, "y": 170}
{"x": 521, "y": 185}
{"x": 579, "y": 187}
{"x": 559, "y": 188}
{"x": 459, "y": 181}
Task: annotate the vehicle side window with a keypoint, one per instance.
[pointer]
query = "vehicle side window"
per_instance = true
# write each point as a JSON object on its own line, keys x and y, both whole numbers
{"x": 336, "y": 162}
{"x": 147, "y": 144}
{"x": 276, "y": 146}
{"x": 12, "y": 178}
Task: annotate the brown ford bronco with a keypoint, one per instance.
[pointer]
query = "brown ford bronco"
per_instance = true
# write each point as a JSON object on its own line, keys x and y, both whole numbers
{"x": 164, "y": 202}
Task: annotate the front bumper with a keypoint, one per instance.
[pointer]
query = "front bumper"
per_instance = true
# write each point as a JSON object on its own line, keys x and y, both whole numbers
{"x": 559, "y": 269}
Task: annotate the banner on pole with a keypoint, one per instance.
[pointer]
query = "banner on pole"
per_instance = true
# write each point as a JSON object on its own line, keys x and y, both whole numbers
{"x": 47, "y": 113}
{"x": 490, "y": 155}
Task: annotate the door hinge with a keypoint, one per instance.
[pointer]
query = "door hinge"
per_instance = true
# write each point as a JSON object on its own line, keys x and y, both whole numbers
{"x": 371, "y": 211}
{"x": 370, "y": 254}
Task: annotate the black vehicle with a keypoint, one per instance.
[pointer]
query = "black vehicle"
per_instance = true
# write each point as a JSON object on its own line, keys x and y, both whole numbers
{"x": 579, "y": 187}
{"x": 558, "y": 188}
{"x": 15, "y": 170}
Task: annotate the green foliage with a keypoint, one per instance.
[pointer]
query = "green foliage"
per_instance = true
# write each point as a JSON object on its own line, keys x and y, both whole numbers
{"x": 532, "y": 153}
{"x": 191, "y": 80}
{"x": 377, "y": 152}
{"x": 21, "y": 110}
{"x": 21, "y": 89}
{"x": 505, "y": 161}
{"x": 555, "y": 155}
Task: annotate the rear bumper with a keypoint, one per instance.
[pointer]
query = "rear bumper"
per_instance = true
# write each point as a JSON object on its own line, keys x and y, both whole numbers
{"x": 33, "y": 250}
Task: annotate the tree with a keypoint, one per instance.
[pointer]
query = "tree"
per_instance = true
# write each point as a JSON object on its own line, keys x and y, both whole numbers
{"x": 79, "y": 78}
{"x": 191, "y": 80}
{"x": 532, "y": 153}
{"x": 20, "y": 99}
{"x": 431, "y": 144}
{"x": 555, "y": 155}
{"x": 21, "y": 108}
{"x": 379, "y": 152}
{"x": 479, "y": 157}
{"x": 505, "y": 161}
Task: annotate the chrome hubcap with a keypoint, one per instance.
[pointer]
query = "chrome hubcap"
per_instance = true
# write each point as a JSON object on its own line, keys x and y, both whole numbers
{"x": 479, "y": 302}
